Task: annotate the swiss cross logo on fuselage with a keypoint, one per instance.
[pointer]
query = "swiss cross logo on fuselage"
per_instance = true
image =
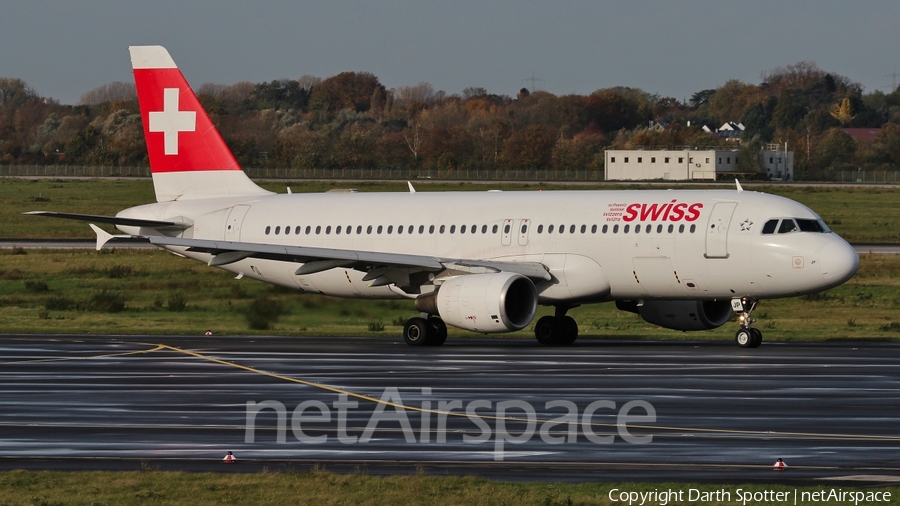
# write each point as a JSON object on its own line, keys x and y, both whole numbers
{"x": 670, "y": 211}
{"x": 170, "y": 121}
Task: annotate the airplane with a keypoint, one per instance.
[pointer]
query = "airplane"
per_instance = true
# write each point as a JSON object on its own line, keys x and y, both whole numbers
{"x": 481, "y": 261}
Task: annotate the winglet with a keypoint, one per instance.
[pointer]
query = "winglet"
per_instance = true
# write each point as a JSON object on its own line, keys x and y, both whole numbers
{"x": 738, "y": 183}
{"x": 411, "y": 189}
{"x": 103, "y": 236}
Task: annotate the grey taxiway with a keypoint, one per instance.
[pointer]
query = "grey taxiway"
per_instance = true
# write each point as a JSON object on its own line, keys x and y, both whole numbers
{"x": 720, "y": 413}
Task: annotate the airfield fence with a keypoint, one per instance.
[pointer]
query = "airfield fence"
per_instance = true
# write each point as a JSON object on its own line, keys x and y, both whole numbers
{"x": 403, "y": 174}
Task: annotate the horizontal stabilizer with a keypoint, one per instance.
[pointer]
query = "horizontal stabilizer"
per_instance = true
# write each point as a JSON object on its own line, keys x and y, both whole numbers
{"x": 114, "y": 220}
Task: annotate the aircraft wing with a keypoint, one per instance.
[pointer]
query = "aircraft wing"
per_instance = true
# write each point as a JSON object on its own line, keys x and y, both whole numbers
{"x": 380, "y": 266}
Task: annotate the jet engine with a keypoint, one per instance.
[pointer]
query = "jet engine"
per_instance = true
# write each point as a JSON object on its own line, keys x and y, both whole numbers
{"x": 497, "y": 302}
{"x": 681, "y": 314}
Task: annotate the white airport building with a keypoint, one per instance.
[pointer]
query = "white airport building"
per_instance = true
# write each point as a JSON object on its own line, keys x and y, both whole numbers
{"x": 687, "y": 164}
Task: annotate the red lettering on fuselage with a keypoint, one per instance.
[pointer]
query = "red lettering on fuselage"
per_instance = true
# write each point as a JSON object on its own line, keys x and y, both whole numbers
{"x": 671, "y": 211}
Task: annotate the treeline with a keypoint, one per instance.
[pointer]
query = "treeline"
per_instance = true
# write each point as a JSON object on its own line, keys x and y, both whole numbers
{"x": 352, "y": 121}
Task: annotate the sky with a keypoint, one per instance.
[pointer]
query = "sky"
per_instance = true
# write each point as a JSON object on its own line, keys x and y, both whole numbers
{"x": 671, "y": 48}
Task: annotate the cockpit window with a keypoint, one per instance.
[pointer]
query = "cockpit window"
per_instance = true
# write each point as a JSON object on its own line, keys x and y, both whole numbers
{"x": 812, "y": 226}
{"x": 787, "y": 226}
{"x": 769, "y": 227}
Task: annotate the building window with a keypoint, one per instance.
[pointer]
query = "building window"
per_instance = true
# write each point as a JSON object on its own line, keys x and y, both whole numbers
{"x": 737, "y": 160}
{"x": 680, "y": 159}
{"x": 707, "y": 160}
{"x": 771, "y": 160}
{"x": 652, "y": 159}
{"x": 612, "y": 159}
{"x": 626, "y": 159}
{"x": 667, "y": 159}
{"x": 728, "y": 159}
{"x": 640, "y": 159}
{"x": 720, "y": 160}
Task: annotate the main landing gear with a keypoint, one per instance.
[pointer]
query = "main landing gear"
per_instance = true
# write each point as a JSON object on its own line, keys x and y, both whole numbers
{"x": 746, "y": 336}
{"x": 425, "y": 331}
{"x": 556, "y": 330}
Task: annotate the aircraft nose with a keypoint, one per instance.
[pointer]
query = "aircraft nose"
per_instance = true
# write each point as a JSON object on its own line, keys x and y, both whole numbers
{"x": 838, "y": 261}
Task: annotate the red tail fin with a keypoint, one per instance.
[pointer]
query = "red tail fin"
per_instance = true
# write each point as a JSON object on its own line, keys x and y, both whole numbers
{"x": 188, "y": 158}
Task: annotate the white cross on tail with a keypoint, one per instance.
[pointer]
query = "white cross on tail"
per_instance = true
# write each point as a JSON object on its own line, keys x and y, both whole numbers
{"x": 170, "y": 120}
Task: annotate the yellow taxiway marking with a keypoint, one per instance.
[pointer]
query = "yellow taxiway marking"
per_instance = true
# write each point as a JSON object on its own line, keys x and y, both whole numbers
{"x": 108, "y": 355}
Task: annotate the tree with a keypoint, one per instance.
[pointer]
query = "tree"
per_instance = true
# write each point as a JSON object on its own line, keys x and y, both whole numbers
{"x": 347, "y": 90}
{"x": 842, "y": 112}
{"x": 113, "y": 92}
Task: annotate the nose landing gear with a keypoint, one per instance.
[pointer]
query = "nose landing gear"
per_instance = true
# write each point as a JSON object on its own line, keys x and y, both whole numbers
{"x": 746, "y": 336}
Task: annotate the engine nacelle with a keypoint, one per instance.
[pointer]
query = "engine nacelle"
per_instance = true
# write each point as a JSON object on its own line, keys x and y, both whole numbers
{"x": 682, "y": 314}
{"x": 498, "y": 302}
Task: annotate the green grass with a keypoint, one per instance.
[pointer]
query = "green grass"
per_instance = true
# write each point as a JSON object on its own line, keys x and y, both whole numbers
{"x": 859, "y": 214}
{"x": 318, "y": 487}
{"x": 78, "y": 291}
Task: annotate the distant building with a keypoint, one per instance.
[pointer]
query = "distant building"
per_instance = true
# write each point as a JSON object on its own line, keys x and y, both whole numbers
{"x": 729, "y": 131}
{"x": 687, "y": 164}
{"x": 863, "y": 134}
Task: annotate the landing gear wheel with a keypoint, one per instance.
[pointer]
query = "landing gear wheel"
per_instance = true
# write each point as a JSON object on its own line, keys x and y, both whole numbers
{"x": 545, "y": 330}
{"x": 569, "y": 330}
{"x": 744, "y": 338}
{"x": 438, "y": 332}
{"x": 416, "y": 331}
{"x": 757, "y": 338}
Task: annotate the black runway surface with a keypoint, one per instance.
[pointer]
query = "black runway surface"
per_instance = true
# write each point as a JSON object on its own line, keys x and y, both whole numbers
{"x": 501, "y": 408}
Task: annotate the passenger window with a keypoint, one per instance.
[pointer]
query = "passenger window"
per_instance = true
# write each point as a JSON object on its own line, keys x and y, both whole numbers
{"x": 431, "y": 229}
{"x": 337, "y": 231}
{"x": 484, "y": 229}
{"x": 390, "y": 229}
{"x": 605, "y": 228}
{"x": 562, "y": 229}
{"x": 442, "y": 228}
{"x": 550, "y": 229}
{"x": 637, "y": 228}
{"x": 359, "y": 229}
{"x": 615, "y": 229}
{"x": 659, "y": 229}
{"x": 400, "y": 229}
{"x": 421, "y": 229}
{"x": 452, "y": 229}
{"x": 379, "y": 229}
{"x": 297, "y": 230}
{"x": 268, "y": 229}
{"x": 277, "y": 230}
{"x": 571, "y": 229}
{"x": 671, "y": 228}
{"x": 328, "y": 229}
{"x": 318, "y": 229}
{"x": 787, "y": 226}
{"x": 409, "y": 230}
{"x": 369, "y": 229}
{"x": 494, "y": 229}
{"x": 540, "y": 229}
{"x": 593, "y": 229}
{"x": 583, "y": 229}
{"x": 524, "y": 228}
{"x": 287, "y": 230}
{"x": 681, "y": 228}
{"x": 625, "y": 230}
{"x": 769, "y": 227}
{"x": 462, "y": 229}
{"x": 474, "y": 228}
{"x": 693, "y": 228}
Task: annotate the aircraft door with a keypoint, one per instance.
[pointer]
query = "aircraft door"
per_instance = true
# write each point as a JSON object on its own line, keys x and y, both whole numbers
{"x": 524, "y": 225}
{"x": 717, "y": 230}
{"x": 506, "y": 237}
{"x": 234, "y": 222}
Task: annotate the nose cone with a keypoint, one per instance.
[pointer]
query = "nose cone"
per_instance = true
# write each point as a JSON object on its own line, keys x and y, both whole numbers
{"x": 838, "y": 261}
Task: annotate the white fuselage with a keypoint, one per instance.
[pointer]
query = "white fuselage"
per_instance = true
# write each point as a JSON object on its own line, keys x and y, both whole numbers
{"x": 604, "y": 245}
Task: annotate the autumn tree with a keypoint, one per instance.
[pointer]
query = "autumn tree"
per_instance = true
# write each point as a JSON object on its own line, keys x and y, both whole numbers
{"x": 347, "y": 90}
